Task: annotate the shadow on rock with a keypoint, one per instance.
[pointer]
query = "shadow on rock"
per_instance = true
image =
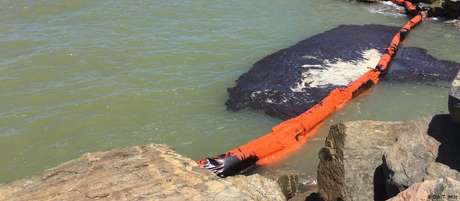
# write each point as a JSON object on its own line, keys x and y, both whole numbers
{"x": 314, "y": 197}
{"x": 379, "y": 184}
{"x": 448, "y": 134}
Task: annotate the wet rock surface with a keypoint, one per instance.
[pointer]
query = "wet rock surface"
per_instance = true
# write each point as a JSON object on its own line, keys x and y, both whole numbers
{"x": 295, "y": 185}
{"x": 150, "y": 172}
{"x": 289, "y": 182}
{"x": 292, "y": 80}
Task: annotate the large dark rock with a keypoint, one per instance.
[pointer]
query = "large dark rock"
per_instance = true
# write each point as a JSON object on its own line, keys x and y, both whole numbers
{"x": 445, "y": 9}
{"x": 454, "y": 100}
{"x": 447, "y": 132}
{"x": 372, "y": 160}
{"x": 428, "y": 151}
{"x": 452, "y": 6}
{"x": 406, "y": 161}
{"x": 292, "y": 80}
{"x": 350, "y": 166}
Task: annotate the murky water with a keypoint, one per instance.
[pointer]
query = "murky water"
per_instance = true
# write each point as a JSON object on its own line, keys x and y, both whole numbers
{"x": 79, "y": 76}
{"x": 387, "y": 102}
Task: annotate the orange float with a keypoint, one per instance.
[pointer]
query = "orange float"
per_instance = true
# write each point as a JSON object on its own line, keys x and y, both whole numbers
{"x": 289, "y": 136}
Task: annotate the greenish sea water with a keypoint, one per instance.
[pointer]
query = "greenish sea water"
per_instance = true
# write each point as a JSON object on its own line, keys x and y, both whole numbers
{"x": 79, "y": 76}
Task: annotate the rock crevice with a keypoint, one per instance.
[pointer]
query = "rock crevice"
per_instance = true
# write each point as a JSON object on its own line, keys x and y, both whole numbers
{"x": 372, "y": 160}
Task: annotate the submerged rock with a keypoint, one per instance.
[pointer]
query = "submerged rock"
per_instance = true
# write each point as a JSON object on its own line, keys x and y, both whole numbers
{"x": 151, "y": 172}
{"x": 292, "y": 80}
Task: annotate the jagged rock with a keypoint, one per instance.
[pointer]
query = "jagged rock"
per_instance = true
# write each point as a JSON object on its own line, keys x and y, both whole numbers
{"x": 290, "y": 81}
{"x": 446, "y": 9}
{"x": 150, "y": 172}
{"x": 454, "y": 99}
{"x": 350, "y": 163}
{"x": 406, "y": 161}
{"x": 255, "y": 187}
{"x": 437, "y": 170}
{"x": 437, "y": 189}
{"x": 419, "y": 153}
{"x": 292, "y": 183}
{"x": 289, "y": 184}
{"x": 445, "y": 131}
{"x": 287, "y": 180}
{"x": 371, "y": 160}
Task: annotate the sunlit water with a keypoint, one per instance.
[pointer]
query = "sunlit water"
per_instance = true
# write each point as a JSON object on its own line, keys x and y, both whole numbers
{"x": 79, "y": 76}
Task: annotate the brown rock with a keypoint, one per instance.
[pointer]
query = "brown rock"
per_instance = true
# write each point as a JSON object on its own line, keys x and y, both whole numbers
{"x": 406, "y": 161}
{"x": 351, "y": 165}
{"x": 437, "y": 189}
{"x": 150, "y": 172}
{"x": 426, "y": 151}
{"x": 438, "y": 170}
{"x": 292, "y": 183}
{"x": 350, "y": 162}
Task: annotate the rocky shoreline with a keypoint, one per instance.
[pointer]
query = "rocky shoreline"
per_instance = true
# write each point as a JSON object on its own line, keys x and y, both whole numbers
{"x": 443, "y": 9}
{"x": 361, "y": 160}
{"x": 372, "y": 160}
{"x": 149, "y": 172}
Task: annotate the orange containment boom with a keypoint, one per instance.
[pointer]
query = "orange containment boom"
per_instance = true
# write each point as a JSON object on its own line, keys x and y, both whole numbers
{"x": 290, "y": 135}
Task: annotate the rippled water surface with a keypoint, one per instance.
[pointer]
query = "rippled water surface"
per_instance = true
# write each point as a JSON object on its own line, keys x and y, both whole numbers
{"x": 79, "y": 76}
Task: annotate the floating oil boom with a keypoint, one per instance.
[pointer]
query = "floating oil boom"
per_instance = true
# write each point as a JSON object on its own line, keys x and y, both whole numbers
{"x": 288, "y": 136}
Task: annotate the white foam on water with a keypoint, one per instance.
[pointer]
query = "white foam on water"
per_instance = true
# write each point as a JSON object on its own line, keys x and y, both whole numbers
{"x": 456, "y": 23}
{"x": 309, "y": 57}
{"x": 387, "y": 8}
{"x": 338, "y": 73}
{"x": 311, "y": 65}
